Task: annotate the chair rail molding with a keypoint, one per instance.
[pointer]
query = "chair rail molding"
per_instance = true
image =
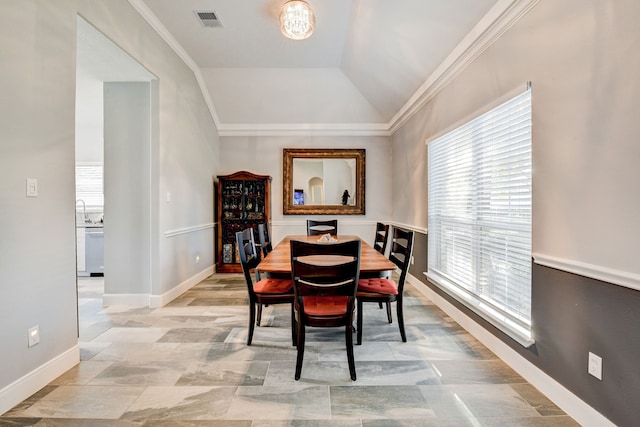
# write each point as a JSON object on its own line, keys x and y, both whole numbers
{"x": 187, "y": 230}
{"x": 605, "y": 274}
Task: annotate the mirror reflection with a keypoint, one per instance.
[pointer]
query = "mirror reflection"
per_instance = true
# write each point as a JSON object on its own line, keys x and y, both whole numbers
{"x": 324, "y": 182}
{"x": 319, "y": 181}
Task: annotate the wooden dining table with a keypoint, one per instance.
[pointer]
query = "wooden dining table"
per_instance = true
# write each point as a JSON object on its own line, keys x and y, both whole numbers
{"x": 278, "y": 262}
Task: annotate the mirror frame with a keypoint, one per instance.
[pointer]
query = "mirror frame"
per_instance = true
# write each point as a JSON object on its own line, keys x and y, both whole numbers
{"x": 288, "y": 208}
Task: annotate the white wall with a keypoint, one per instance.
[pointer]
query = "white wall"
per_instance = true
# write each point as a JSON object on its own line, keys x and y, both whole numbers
{"x": 37, "y": 255}
{"x": 263, "y": 155}
{"x": 581, "y": 57}
{"x": 89, "y": 119}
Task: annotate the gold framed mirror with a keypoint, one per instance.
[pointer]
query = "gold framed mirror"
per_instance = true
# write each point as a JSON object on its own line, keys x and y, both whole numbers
{"x": 320, "y": 181}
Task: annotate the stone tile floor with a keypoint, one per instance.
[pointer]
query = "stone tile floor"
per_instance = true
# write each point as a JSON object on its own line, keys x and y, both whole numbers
{"x": 187, "y": 364}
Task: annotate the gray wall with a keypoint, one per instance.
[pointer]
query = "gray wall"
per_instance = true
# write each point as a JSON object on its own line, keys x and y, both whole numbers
{"x": 37, "y": 124}
{"x": 127, "y": 188}
{"x": 581, "y": 57}
{"x": 263, "y": 155}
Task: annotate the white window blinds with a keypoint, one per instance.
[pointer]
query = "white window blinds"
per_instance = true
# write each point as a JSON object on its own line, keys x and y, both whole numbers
{"x": 89, "y": 186}
{"x": 479, "y": 245}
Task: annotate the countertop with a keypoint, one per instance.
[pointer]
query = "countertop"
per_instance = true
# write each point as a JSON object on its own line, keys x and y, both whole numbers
{"x": 89, "y": 225}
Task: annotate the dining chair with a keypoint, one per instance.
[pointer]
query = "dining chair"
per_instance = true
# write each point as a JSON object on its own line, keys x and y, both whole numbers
{"x": 263, "y": 291}
{"x": 317, "y": 227}
{"x": 264, "y": 235}
{"x": 325, "y": 278}
{"x": 385, "y": 290}
{"x": 380, "y": 241}
{"x": 380, "y": 245}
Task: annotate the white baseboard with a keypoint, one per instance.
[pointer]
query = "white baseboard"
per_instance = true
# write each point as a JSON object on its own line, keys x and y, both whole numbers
{"x": 24, "y": 387}
{"x": 575, "y": 407}
{"x": 156, "y": 301}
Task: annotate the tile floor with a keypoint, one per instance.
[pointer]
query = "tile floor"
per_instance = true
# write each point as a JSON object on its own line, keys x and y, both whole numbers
{"x": 186, "y": 364}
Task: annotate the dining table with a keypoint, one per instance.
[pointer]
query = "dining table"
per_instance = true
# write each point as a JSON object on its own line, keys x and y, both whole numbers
{"x": 278, "y": 261}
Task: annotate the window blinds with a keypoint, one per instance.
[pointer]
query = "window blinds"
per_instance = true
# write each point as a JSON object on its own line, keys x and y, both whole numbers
{"x": 479, "y": 212}
{"x": 89, "y": 187}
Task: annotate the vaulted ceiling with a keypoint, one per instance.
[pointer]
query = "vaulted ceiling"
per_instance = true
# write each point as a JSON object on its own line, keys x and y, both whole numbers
{"x": 368, "y": 63}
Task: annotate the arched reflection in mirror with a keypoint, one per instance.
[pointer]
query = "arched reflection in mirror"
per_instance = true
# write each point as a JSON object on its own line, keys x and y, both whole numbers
{"x": 324, "y": 181}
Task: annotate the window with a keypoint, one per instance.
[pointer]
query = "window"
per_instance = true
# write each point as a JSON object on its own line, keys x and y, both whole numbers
{"x": 479, "y": 246}
{"x": 89, "y": 178}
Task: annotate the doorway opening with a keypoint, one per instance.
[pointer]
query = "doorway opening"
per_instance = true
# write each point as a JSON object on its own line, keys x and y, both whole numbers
{"x": 114, "y": 113}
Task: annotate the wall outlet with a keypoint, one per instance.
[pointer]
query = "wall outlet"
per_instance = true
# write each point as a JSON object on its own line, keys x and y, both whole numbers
{"x": 34, "y": 335}
{"x": 595, "y": 365}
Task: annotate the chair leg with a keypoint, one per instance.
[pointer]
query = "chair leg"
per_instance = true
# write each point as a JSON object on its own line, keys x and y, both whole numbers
{"x": 380, "y": 305}
{"x": 350, "y": 358}
{"x": 252, "y": 321}
{"x": 294, "y": 327}
{"x": 259, "y": 316}
{"x": 300, "y": 345}
{"x": 359, "y": 322}
{"x": 389, "y": 318}
{"x": 401, "y": 318}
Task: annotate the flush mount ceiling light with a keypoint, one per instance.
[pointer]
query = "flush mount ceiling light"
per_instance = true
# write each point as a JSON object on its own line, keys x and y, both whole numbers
{"x": 297, "y": 20}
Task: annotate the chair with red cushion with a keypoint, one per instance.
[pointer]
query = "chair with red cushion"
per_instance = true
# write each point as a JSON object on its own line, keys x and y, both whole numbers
{"x": 325, "y": 277}
{"x": 380, "y": 245}
{"x": 264, "y": 291}
{"x": 386, "y": 290}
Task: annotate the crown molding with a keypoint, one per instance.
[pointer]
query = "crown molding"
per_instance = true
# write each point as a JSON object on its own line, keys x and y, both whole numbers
{"x": 162, "y": 31}
{"x": 305, "y": 129}
{"x": 496, "y": 22}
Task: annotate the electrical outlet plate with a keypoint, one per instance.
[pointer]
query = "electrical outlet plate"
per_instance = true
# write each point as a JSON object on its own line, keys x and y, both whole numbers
{"x": 595, "y": 365}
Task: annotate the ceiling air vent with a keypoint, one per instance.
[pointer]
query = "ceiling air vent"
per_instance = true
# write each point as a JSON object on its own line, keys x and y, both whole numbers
{"x": 209, "y": 19}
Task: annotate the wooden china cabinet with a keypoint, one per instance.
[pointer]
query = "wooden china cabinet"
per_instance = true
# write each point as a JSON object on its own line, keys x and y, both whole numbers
{"x": 243, "y": 201}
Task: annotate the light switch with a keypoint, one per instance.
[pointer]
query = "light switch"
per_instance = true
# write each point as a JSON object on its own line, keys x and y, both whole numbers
{"x": 32, "y": 187}
{"x": 168, "y": 196}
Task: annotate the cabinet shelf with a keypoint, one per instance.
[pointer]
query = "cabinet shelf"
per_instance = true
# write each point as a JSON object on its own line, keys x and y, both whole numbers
{"x": 243, "y": 201}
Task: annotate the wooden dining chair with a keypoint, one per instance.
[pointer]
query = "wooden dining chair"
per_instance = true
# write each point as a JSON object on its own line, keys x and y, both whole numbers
{"x": 381, "y": 238}
{"x": 316, "y": 227}
{"x": 263, "y": 291}
{"x": 325, "y": 290}
{"x": 386, "y": 290}
{"x": 264, "y": 235}
{"x": 380, "y": 245}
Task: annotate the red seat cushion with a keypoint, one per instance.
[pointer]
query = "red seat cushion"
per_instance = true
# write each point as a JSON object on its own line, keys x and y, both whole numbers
{"x": 378, "y": 285}
{"x": 273, "y": 286}
{"x": 325, "y": 306}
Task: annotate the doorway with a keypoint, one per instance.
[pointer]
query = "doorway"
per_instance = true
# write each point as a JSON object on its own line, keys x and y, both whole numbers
{"x": 114, "y": 114}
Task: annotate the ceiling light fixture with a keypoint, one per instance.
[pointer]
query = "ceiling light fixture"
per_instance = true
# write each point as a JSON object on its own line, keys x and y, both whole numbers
{"x": 297, "y": 20}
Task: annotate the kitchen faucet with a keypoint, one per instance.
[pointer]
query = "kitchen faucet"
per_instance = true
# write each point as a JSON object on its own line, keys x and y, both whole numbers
{"x": 84, "y": 210}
